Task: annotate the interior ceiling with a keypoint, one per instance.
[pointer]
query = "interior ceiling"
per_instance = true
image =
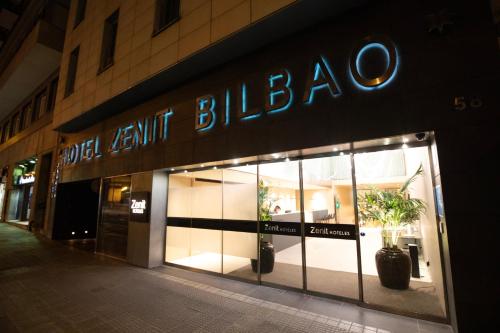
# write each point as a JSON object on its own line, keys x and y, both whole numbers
{"x": 10, "y": 11}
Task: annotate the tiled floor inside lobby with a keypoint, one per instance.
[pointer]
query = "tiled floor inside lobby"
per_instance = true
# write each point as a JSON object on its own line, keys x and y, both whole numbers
{"x": 48, "y": 287}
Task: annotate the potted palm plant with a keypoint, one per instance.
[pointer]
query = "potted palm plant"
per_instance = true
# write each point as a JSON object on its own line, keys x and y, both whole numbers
{"x": 394, "y": 210}
{"x": 266, "y": 247}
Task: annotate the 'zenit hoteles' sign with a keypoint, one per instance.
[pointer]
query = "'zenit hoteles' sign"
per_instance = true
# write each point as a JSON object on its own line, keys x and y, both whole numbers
{"x": 373, "y": 64}
{"x": 140, "y": 206}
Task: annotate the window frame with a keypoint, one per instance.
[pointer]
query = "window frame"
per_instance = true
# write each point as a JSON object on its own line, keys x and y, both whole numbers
{"x": 38, "y": 104}
{"x": 5, "y": 132}
{"x": 14, "y": 125}
{"x": 157, "y": 26}
{"x": 25, "y": 115}
{"x": 81, "y": 7}
{"x": 72, "y": 70}
{"x": 108, "y": 45}
{"x": 52, "y": 94}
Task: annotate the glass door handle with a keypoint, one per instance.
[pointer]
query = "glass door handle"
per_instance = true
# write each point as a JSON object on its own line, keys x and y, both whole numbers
{"x": 441, "y": 227}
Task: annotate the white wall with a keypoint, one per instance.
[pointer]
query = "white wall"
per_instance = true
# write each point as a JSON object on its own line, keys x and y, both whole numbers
{"x": 179, "y": 196}
{"x": 206, "y": 200}
{"x": 240, "y": 202}
{"x": 190, "y": 197}
{"x": 422, "y": 188}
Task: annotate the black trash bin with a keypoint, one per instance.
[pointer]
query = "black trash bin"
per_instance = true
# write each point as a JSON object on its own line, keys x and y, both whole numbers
{"x": 415, "y": 270}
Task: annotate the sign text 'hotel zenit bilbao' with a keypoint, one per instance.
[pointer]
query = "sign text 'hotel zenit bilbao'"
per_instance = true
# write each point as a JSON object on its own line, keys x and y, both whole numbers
{"x": 373, "y": 64}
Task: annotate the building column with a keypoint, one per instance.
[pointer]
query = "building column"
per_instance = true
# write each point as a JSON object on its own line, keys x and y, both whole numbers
{"x": 146, "y": 240}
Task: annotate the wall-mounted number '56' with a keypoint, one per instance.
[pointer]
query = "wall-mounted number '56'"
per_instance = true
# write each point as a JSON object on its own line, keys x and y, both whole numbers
{"x": 461, "y": 103}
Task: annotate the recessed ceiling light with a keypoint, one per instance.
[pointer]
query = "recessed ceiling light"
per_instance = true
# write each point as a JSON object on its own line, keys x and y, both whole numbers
{"x": 275, "y": 155}
{"x": 215, "y": 168}
{"x": 203, "y": 165}
{"x": 185, "y": 171}
{"x": 172, "y": 169}
{"x": 405, "y": 140}
{"x": 387, "y": 141}
{"x": 335, "y": 149}
{"x": 235, "y": 161}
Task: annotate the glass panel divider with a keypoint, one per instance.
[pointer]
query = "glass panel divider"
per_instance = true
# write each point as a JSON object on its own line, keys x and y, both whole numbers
{"x": 356, "y": 223}
{"x": 259, "y": 279}
{"x": 221, "y": 222}
{"x": 99, "y": 208}
{"x": 302, "y": 227}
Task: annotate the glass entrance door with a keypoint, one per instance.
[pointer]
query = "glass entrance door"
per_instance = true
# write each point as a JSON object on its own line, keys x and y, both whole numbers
{"x": 397, "y": 216}
{"x": 280, "y": 219}
{"x": 330, "y": 231}
{"x": 194, "y": 236}
{"x": 112, "y": 233}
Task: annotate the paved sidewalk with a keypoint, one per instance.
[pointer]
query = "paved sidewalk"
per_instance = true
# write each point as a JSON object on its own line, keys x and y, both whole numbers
{"x": 48, "y": 287}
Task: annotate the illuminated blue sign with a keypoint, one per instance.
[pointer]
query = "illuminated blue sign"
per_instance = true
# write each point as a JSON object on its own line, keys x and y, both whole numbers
{"x": 141, "y": 132}
{"x": 133, "y": 135}
{"x": 88, "y": 149}
{"x": 321, "y": 81}
{"x": 205, "y": 113}
{"x": 322, "y": 78}
{"x": 279, "y": 92}
{"x": 243, "y": 112}
{"x": 391, "y": 59}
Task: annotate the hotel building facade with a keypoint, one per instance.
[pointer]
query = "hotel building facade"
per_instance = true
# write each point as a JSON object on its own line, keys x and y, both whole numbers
{"x": 246, "y": 138}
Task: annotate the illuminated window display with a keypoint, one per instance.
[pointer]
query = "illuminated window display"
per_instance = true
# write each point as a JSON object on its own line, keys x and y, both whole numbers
{"x": 19, "y": 203}
{"x": 3, "y": 181}
{"x": 314, "y": 233}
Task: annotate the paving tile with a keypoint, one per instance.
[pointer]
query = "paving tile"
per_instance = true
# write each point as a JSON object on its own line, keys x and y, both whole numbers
{"x": 47, "y": 287}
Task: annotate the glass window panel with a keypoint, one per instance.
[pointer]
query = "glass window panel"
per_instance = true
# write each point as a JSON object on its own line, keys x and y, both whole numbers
{"x": 80, "y": 12}
{"x": 178, "y": 238}
{"x": 425, "y": 294}
{"x": 240, "y": 221}
{"x": 40, "y": 106}
{"x": 71, "y": 73}
{"x": 332, "y": 264}
{"x": 195, "y": 204}
{"x": 109, "y": 41}
{"x": 113, "y": 226}
{"x": 13, "y": 208}
{"x": 280, "y": 216}
{"x": 167, "y": 12}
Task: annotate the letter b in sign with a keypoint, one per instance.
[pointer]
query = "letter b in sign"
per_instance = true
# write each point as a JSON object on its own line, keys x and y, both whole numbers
{"x": 205, "y": 113}
{"x": 279, "y": 94}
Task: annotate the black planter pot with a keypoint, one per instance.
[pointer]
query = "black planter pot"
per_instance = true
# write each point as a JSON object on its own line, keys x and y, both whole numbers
{"x": 266, "y": 258}
{"x": 394, "y": 268}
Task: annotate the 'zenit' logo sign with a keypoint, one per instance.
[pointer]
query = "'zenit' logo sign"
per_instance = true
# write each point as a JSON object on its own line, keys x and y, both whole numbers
{"x": 364, "y": 72}
{"x": 138, "y": 207}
